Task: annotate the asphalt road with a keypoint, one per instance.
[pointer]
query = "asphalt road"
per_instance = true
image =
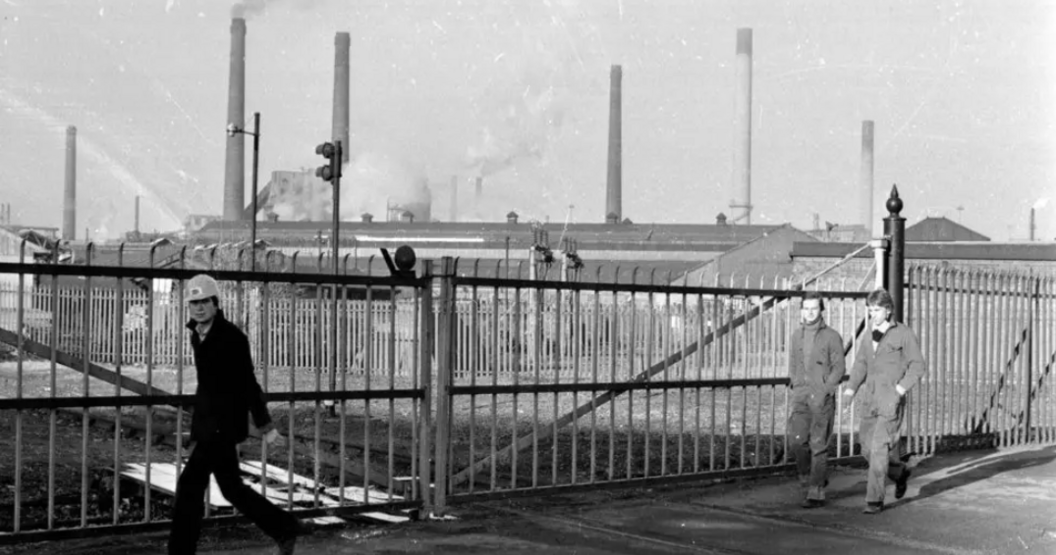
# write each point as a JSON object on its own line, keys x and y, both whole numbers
{"x": 969, "y": 503}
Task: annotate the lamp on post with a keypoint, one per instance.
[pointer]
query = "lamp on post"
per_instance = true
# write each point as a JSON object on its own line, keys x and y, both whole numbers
{"x": 231, "y": 130}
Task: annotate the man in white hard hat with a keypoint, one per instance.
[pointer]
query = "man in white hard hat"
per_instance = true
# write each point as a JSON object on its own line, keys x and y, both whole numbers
{"x": 227, "y": 394}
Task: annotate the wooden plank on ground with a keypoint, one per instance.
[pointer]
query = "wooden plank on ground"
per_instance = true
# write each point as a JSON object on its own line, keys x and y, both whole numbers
{"x": 279, "y": 474}
{"x": 359, "y": 495}
{"x": 385, "y": 517}
{"x": 163, "y": 479}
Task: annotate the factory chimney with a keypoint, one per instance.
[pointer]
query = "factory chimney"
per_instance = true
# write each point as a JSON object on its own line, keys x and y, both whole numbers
{"x": 136, "y": 228}
{"x": 341, "y": 98}
{"x": 614, "y": 175}
{"x": 235, "y": 167}
{"x": 69, "y": 199}
{"x": 866, "y": 178}
{"x": 741, "y": 205}
{"x": 1032, "y": 224}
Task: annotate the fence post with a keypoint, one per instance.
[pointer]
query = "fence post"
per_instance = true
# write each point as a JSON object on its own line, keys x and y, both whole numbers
{"x": 446, "y": 338}
{"x": 895, "y": 230}
{"x": 879, "y": 255}
{"x": 1033, "y": 298}
{"x": 427, "y": 340}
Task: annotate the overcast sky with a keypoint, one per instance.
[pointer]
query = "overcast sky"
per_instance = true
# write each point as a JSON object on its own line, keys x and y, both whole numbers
{"x": 962, "y": 94}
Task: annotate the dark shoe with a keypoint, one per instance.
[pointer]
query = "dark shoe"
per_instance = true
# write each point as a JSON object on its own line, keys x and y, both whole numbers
{"x": 901, "y": 484}
{"x": 812, "y": 503}
{"x": 873, "y": 508}
{"x": 286, "y": 546}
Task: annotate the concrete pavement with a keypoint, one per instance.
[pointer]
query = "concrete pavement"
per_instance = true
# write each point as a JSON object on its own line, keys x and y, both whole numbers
{"x": 969, "y": 503}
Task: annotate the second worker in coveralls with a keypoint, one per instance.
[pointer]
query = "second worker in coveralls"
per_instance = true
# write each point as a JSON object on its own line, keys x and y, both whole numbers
{"x": 815, "y": 367}
{"x": 888, "y": 364}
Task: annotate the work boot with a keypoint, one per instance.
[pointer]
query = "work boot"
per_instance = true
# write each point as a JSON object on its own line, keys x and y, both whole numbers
{"x": 815, "y": 498}
{"x": 809, "y": 503}
{"x": 873, "y": 508}
{"x": 901, "y": 484}
{"x": 286, "y": 546}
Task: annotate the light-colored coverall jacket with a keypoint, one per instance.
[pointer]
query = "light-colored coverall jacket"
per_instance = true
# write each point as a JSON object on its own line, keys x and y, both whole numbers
{"x": 896, "y": 360}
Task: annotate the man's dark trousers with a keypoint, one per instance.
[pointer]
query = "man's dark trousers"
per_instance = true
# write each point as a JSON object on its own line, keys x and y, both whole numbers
{"x": 810, "y": 426}
{"x": 220, "y": 458}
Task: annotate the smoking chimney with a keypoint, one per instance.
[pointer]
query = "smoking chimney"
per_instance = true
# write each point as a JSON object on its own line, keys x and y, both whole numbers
{"x": 1032, "y": 224}
{"x": 866, "y": 178}
{"x": 454, "y": 198}
{"x": 235, "y": 167}
{"x": 341, "y": 101}
{"x": 614, "y": 175}
{"x": 69, "y": 199}
{"x": 741, "y": 205}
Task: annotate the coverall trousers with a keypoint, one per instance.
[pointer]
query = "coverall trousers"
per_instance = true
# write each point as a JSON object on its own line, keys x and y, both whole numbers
{"x": 880, "y": 438}
{"x": 220, "y": 458}
{"x": 810, "y": 427}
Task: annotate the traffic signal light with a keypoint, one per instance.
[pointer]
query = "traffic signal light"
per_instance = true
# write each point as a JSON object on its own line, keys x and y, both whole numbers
{"x": 332, "y": 152}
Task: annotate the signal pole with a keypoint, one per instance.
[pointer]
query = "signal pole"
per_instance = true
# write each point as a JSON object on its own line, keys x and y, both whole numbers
{"x": 332, "y": 174}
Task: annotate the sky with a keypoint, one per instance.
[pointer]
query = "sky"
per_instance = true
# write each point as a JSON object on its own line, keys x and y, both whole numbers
{"x": 961, "y": 93}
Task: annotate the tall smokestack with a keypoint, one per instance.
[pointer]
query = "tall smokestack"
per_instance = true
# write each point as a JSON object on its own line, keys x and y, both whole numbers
{"x": 341, "y": 101}
{"x": 1032, "y": 224}
{"x": 69, "y": 199}
{"x": 866, "y": 178}
{"x": 235, "y": 168}
{"x": 614, "y": 175}
{"x": 478, "y": 192}
{"x": 454, "y": 198}
{"x": 741, "y": 205}
{"x": 136, "y": 228}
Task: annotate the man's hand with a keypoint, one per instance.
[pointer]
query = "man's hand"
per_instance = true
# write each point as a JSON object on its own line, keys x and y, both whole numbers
{"x": 901, "y": 390}
{"x": 274, "y": 438}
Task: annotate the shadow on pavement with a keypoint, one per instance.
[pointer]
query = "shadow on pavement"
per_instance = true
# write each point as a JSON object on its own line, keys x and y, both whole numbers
{"x": 937, "y": 475}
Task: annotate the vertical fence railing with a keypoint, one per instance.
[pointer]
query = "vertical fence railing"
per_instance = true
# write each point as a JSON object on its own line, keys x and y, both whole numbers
{"x": 617, "y": 382}
{"x": 987, "y": 337}
{"x": 100, "y": 406}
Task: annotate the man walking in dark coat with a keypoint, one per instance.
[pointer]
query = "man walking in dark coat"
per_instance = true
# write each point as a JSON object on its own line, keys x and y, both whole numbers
{"x": 228, "y": 393}
{"x": 815, "y": 367}
{"x": 888, "y": 364}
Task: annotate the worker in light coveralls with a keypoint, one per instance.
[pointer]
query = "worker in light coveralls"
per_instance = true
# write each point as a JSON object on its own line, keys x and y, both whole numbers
{"x": 815, "y": 367}
{"x": 888, "y": 364}
{"x": 228, "y": 394}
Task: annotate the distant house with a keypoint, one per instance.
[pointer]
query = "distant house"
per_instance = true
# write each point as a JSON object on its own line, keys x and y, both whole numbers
{"x": 941, "y": 230}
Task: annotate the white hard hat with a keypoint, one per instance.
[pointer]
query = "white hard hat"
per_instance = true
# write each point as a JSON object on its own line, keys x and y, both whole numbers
{"x": 202, "y": 287}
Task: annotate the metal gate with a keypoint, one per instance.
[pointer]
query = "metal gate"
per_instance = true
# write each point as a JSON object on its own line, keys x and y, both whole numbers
{"x": 545, "y": 385}
{"x": 538, "y": 385}
{"x": 96, "y": 390}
